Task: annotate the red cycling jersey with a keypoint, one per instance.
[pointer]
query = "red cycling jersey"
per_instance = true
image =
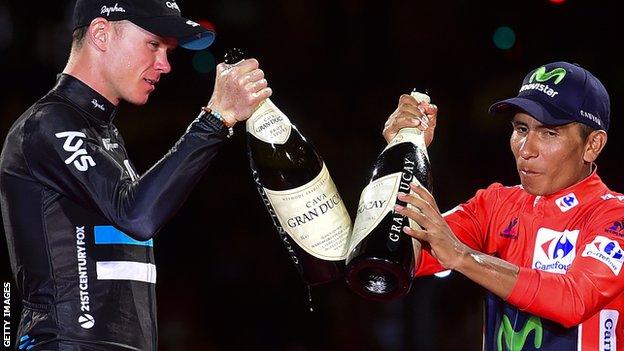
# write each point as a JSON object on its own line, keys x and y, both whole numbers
{"x": 568, "y": 246}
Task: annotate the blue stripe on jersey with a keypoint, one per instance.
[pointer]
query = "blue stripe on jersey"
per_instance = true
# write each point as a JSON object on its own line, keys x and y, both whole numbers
{"x": 109, "y": 235}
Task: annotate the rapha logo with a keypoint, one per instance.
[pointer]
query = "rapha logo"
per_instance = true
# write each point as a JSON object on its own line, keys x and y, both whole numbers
{"x": 73, "y": 143}
{"x": 172, "y": 5}
{"x": 96, "y": 104}
{"x": 511, "y": 232}
{"x": 107, "y": 10}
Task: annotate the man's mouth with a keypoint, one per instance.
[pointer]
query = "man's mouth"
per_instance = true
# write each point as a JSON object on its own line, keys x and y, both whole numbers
{"x": 151, "y": 82}
{"x": 528, "y": 172}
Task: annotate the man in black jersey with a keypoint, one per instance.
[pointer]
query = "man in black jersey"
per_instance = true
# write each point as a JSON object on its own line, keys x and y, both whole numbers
{"x": 78, "y": 219}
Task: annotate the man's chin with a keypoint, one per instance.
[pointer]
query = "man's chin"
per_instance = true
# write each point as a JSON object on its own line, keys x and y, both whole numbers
{"x": 532, "y": 188}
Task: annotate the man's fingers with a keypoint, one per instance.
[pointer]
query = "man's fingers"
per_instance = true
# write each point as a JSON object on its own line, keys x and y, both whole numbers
{"x": 414, "y": 214}
{"x": 424, "y": 194}
{"x": 416, "y": 233}
{"x": 428, "y": 208}
{"x": 256, "y": 86}
{"x": 251, "y": 77}
{"x": 262, "y": 94}
{"x": 247, "y": 65}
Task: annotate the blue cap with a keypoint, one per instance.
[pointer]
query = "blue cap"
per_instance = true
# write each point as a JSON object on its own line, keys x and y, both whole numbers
{"x": 560, "y": 93}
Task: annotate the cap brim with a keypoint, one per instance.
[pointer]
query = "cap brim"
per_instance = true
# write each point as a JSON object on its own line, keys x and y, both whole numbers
{"x": 542, "y": 112}
{"x": 190, "y": 35}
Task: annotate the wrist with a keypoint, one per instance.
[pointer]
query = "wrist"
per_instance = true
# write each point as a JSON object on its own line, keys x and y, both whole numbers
{"x": 219, "y": 118}
{"x": 229, "y": 118}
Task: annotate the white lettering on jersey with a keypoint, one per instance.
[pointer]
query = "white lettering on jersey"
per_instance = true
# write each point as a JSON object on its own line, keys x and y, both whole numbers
{"x": 554, "y": 251}
{"x": 96, "y": 104}
{"x": 108, "y": 145}
{"x": 79, "y": 156}
{"x": 606, "y": 251}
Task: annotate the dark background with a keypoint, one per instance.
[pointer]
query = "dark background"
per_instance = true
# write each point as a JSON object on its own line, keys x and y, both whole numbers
{"x": 337, "y": 69}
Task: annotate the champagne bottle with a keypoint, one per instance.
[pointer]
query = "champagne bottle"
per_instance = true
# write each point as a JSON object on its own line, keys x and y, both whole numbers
{"x": 299, "y": 194}
{"x": 380, "y": 261}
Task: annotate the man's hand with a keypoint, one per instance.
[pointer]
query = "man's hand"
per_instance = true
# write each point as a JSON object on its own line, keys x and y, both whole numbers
{"x": 412, "y": 114}
{"x": 445, "y": 246}
{"x": 494, "y": 274}
{"x": 239, "y": 90}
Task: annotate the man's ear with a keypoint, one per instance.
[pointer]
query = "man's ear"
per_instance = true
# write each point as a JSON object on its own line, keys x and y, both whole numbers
{"x": 594, "y": 144}
{"x": 99, "y": 33}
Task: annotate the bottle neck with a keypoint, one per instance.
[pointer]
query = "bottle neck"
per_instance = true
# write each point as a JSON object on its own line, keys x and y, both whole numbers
{"x": 409, "y": 135}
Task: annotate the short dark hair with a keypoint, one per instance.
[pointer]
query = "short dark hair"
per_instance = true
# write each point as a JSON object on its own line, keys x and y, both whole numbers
{"x": 79, "y": 35}
{"x": 586, "y": 130}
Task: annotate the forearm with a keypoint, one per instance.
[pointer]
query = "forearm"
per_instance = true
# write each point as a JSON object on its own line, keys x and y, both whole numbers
{"x": 492, "y": 273}
{"x": 148, "y": 203}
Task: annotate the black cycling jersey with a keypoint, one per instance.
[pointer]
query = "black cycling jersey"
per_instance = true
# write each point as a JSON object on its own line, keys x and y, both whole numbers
{"x": 79, "y": 220}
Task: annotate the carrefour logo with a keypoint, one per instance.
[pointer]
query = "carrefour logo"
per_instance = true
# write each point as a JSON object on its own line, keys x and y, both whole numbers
{"x": 515, "y": 340}
{"x": 606, "y": 251}
{"x": 554, "y": 251}
{"x": 541, "y": 75}
{"x": 567, "y": 202}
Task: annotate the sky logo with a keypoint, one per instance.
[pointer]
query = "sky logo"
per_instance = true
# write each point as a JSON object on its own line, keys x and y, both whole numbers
{"x": 606, "y": 251}
{"x": 554, "y": 251}
{"x": 567, "y": 202}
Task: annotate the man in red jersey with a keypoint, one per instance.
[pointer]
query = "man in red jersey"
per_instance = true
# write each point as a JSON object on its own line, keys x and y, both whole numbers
{"x": 549, "y": 251}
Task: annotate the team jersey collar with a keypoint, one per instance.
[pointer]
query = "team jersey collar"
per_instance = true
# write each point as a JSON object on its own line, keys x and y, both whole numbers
{"x": 86, "y": 98}
{"x": 570, "y": 197}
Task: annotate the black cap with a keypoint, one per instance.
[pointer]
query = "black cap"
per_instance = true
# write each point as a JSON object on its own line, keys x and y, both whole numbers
{"x": 160, "y": 17}
{"x": 559, "y": 93}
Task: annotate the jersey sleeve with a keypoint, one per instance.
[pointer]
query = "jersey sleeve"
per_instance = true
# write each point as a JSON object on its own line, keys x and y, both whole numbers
{"x": 469, "y": 222}
{"x": 594, "y": 279}
{"x": 63, "y": 152}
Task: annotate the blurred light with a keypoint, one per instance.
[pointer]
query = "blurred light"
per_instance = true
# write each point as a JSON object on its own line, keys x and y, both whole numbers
{"x": 207, "y": 24}
{"x": 504, "y": 38}
{"x": 443, "y": 274}
{"x": 203, "y": 61}
{"x": 6, "y": 28}
{"x": 557, "y": 2}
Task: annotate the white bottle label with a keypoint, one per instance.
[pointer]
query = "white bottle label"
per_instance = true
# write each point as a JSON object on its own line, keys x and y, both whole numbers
{"x": 409, "y": 135}
{"x": 314, "y": 216}
{"x": 269, "y": 124}
{"x": 377, "y": 199}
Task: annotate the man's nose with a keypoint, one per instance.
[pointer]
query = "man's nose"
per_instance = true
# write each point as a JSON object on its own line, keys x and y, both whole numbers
{"x": 528, "y": 146}
{"x": 162, "y": 63}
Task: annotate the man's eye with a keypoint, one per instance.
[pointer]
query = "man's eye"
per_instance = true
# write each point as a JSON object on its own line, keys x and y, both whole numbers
{"x": 551, "y": 133}
{"x": 520, "y": 129}
{"x": 154, "y": 44}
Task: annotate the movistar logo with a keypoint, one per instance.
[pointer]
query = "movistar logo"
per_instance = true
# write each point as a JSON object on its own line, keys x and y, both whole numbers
{"x": 541, "y": 75}
{"x": 514, "y": 341}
